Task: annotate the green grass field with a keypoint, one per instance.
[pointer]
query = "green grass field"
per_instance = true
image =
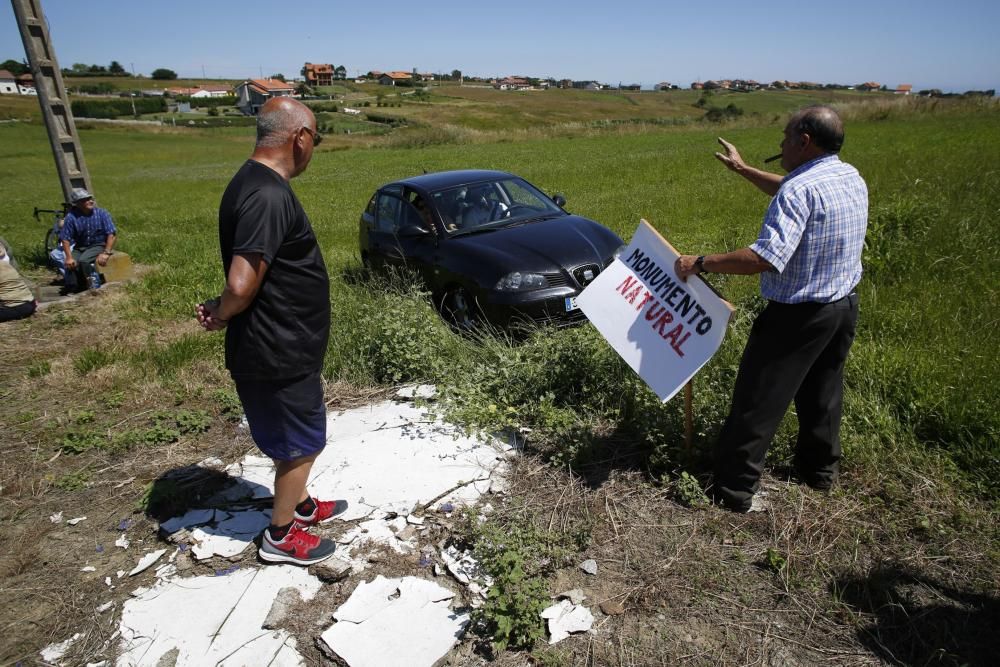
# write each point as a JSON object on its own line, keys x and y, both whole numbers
{"x": 921, "y": 424}
{"x": 922, "y": 374}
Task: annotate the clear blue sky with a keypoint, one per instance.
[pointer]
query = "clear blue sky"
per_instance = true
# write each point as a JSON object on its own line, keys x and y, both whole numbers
{"x": 949, "y": 45}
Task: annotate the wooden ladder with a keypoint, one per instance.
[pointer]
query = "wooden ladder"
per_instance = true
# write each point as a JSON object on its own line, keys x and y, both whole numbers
{"x": 52, "y": 97}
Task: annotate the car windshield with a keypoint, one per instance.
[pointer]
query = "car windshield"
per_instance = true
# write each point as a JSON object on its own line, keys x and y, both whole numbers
{"x": 492, "y": 204}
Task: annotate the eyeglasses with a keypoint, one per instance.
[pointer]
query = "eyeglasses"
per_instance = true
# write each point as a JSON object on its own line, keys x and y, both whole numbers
{"x": 316, "y": 136}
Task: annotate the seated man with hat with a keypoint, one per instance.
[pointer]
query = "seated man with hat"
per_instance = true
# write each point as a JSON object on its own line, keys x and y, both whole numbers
{"x": 87, "y": 237}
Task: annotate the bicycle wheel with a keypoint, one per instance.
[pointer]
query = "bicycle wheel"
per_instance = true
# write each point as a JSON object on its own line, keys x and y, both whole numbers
{"x": 51, "y": 240}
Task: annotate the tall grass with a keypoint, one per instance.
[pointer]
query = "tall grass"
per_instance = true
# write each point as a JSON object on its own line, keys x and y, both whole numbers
{"x": 921, "y": 381}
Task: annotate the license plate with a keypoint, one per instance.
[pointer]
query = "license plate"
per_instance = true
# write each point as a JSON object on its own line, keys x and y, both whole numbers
{"x": 571, "y": 303}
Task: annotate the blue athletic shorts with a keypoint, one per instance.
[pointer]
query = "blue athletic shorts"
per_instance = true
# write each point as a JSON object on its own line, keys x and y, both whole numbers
{"x": 287, "y": 417}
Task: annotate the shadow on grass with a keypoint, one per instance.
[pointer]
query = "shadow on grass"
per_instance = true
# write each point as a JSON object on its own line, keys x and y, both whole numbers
{"x": 918, "y": 621}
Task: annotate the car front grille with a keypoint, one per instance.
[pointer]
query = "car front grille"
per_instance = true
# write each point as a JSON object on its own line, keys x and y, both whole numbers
{"x": 555, "y": 279}
{"x": 586, "y": 274}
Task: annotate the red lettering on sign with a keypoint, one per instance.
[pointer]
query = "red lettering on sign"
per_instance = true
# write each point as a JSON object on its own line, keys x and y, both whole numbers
{"x": 627, "y": 284}
{"x": 676, "y": 340}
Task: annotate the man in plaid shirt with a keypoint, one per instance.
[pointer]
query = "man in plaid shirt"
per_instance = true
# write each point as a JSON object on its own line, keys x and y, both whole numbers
{"x": 809, "y": 256}
{"x": 88, "y": 237}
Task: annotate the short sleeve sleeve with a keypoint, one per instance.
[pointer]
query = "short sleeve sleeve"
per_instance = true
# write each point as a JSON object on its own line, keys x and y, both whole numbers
{"x": 264, "y": 219}
{"x": 781, "y": 232}
{"x": 109, "y": 224}
{"x": 68, "y": 229}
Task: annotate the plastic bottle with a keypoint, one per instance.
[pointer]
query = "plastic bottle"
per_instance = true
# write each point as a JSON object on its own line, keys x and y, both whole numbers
{"x": 94, "y": 279}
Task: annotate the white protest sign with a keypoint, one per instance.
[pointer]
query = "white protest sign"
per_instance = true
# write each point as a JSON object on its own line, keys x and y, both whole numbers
{"x": 664, "y": 328}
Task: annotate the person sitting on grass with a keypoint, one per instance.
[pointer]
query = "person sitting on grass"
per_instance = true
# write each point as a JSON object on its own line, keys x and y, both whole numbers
{"x": 88, "y": 238}
{"x": 16, "y": 299}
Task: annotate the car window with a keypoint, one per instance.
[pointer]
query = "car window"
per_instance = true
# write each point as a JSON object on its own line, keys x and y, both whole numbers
{"x": 388, "y": 212}
{"x": 519, "y": 194}
{"x": 370, "y": 209}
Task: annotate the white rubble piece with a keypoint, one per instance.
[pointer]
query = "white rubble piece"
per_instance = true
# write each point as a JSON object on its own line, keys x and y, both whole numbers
{"x": 217, "y": 532}
{"x": 395, "y": 621}
{"x": 463, "y": 566}
{"x": 378, "y": 531}
{"x": 210, "y": 620}
{"x": 77, "y": 520}
{"x": 576, "y": 596}
{"x": 255, "y": 475}
{"x": 53, "y": 653}
{"x": 87, "y": 568}
{"x": 589, "y": 566}
{"x": 146, "y": 561}
{"x": 391, "y": 457}
{"x": 411, "y": 391}
{"x": 56, "y": 518}
{"x": 565, "y": 618}
{"x": 122, "y": 541}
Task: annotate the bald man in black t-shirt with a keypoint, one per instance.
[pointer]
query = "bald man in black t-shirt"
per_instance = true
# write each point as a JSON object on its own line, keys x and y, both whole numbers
{"x": 276, "y": 312}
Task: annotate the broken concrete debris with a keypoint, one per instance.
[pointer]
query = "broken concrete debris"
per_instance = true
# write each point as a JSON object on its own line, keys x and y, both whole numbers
{"x": 53, "y": 653}
{"x": 220, "y": 622}
{"x": 285, "y": 599}
{"x": 398, "y": 467}
{"x": 376, "y": 627}
{"x": 589, "y": 566}
{"x": 576, "y": 596}
{"x": 566, "y": 618}
{"x": 146, "y": 561}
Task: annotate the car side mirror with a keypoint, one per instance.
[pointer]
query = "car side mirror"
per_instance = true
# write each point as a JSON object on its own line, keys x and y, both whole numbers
{"x": 413, "y": 231}
{"x": 559, "y": 200}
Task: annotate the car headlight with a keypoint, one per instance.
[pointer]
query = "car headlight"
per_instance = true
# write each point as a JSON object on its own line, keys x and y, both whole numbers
{"x": 519, "y": 282}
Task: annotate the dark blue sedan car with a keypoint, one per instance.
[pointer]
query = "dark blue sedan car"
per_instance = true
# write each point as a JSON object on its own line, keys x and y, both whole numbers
{"x": 489, "y": 246}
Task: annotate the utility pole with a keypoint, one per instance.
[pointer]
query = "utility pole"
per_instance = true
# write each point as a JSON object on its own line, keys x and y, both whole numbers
{"x": 52, "y": 97}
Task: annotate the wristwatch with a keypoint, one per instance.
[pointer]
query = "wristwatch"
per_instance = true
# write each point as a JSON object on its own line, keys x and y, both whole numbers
{"x": 700, "y": 264}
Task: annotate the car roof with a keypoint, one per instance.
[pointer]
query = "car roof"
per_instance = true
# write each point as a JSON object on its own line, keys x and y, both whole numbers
{"x": 446, "y": 179}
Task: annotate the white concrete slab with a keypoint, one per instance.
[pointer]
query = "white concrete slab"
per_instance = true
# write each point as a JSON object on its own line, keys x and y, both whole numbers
{"x": 394, "y": 622}
{"x": 390, "y": 457}
{"x": 212, "y": 620}
{"x": 565, "y": 618}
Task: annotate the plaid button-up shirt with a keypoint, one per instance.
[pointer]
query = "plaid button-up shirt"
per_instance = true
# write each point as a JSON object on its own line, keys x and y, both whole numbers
{"x": 813, "y": 233}
{"x": 83, "y": 231}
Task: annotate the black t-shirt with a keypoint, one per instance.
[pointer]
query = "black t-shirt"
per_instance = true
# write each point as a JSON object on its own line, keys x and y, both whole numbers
{"x": 284, "y": 331}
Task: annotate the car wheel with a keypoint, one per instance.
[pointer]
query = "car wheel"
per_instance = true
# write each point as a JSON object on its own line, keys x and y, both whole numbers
{"x": 458, "y": 309}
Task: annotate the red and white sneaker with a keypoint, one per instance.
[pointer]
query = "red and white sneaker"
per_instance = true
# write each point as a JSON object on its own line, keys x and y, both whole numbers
{"x": 297, "y": 547}
{"x": 325, "y": 511}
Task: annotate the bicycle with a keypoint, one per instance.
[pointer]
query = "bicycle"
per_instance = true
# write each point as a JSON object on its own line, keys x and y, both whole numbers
{"x": 52, "y": 235}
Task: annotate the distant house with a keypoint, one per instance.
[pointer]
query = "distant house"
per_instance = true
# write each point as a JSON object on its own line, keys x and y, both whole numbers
{"x": 253, "y": 93}
{"x": 8, "y": 83}
{"x": 319, "y": 74}
{"x": 869, "y": 86}
{"x": 391, "y": 78}
{"x": 512, "y": 83}
{"x": 212, "y": 91}
{"x": 904, "y": 89}
{"x": 663, "y": 85}
{"x": 26, "y": 84}
{"x": 697, "y": 85}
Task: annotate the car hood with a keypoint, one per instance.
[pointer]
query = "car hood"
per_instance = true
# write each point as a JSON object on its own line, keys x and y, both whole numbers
{"x": 544, "y": 246}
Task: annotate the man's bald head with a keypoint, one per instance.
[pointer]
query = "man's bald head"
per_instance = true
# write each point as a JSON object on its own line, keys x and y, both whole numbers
{"x": 822, "y": 124}
{"x": 279, "y": 119}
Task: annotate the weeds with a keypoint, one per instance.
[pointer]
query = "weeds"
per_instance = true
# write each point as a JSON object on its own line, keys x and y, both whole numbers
{"x": 517, "y": 555}
{"x": 39, "y": 369}
{"x": 91, "y": 359}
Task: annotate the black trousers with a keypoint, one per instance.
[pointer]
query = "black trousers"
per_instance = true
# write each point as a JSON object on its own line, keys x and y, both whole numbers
{"x": 795, "y": 352}
{"x": 20, "y": 311}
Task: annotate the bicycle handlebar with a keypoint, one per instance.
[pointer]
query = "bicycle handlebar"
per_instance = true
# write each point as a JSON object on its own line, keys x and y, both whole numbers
{"x": 46, "y": 210}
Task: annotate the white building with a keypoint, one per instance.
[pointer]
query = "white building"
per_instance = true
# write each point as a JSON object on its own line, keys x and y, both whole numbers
{"x": 8, "y": 84}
